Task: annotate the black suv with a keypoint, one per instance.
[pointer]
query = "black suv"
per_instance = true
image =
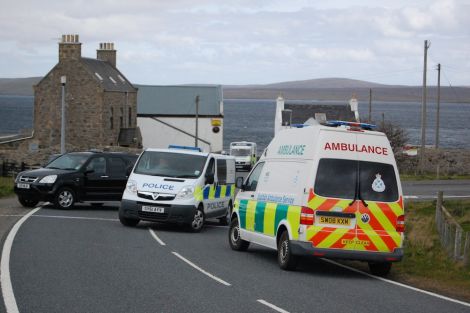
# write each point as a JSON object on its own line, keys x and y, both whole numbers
{"x": 75, "y": 177}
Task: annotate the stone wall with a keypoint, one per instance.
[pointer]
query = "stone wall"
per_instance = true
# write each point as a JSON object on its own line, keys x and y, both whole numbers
{"x": 116, "y": 106}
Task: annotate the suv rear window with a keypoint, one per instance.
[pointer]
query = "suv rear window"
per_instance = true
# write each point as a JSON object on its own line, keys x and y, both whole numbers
{"x": 337, "y": 178}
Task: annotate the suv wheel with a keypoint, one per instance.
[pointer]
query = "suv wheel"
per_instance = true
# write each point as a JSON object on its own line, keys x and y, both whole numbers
{"x": 234, "y": 239}
{"x": 64, "y": 198}
{"x": 287, "y": 261}
{"x": 198, "y": 220}
{"x": 27, "y": 203}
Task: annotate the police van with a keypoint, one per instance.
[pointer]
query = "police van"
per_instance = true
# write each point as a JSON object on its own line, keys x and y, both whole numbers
{"x": 181, "y": 185}
{"x": 328, "y": 191}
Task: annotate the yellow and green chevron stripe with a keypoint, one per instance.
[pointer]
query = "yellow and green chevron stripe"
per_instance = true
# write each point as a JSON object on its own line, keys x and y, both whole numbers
{"x": 265, "y": 217}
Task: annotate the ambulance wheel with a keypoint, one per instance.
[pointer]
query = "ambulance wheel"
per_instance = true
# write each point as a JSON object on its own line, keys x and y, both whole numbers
{"x": 380, "y": 268}
{"x": 198, "y": 220}
{"x": 234, "y": 239}
{"x": 226, "y": 219}
{"x": 287, "y": 261}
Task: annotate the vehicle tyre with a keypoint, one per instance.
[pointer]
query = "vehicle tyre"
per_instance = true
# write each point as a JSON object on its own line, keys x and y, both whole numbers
{"x": 287, "y": 261}
{"x": 380, "y": 268}
{"x": 234, "y": 239}
{"x": 64, "y": 198}
{"x": 130, "y": 222}
{"x": 224, "y": 221}
{"x": 27, "y": 203}
{"x": 198, "y": 220}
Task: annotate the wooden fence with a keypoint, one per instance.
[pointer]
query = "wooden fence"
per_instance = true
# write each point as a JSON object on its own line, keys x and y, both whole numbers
{"x": 455, "y": 241}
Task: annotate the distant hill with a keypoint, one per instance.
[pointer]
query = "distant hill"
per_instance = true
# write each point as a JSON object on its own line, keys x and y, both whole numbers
{"x": 18, "y": 86}
{"x": 338, "y": 89}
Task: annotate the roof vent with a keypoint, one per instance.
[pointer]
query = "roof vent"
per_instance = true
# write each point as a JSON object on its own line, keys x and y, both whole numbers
{"x": 112, "y": 79}
{"x": 99, "y": 76}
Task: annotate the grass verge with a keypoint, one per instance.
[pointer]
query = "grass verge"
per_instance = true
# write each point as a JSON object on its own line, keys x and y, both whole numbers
{"x": 6, "y": 186}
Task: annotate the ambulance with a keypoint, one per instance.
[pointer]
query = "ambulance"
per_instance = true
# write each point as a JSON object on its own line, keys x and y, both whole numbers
{"x": 179, "y": 185}
{"x": 245, "y": 154}
{"x": 328, "y": 191}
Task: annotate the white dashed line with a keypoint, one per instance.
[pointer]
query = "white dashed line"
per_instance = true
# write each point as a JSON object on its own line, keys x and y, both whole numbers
{"x": 223, "y": 282}
{"x": 5, "y": 280}
{"x": 398, "y": 284}
{"x": 272, "y": 306}
{"x": 156, "y": 237}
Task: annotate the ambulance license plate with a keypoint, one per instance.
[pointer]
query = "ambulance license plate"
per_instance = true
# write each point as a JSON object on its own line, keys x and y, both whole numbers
{"x": 153, "y": 209}
{"x": 334, "y": 220}
{"x": 23, "y": 186}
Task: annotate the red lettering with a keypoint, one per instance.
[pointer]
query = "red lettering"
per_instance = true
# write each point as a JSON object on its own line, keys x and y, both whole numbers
{"x": 385, "y": 151}
{"x": 370, "y": 149}
{"x": 378, "y": 150}
{"x": 335, "y": 146}
{"x": 364, "y": 149}
{"x": 344, "y": 146}
{"x": 327, "y": 146}
{"x": 351, "y": 147}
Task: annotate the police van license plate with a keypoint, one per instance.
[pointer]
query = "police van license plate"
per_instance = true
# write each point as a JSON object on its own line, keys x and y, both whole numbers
{"x": 23, "y": 186}
{"x": 153, "y": 209}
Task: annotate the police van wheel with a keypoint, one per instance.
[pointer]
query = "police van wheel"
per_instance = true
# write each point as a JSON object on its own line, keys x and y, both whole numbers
{"x": 380, "y": 268}
{"x": 234, "y": 239}
{"x": 198, "y": 220}
{"x": 287, "y": 261}
{"x": 130, "y": 222}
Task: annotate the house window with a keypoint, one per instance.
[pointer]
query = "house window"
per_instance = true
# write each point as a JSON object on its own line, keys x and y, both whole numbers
{"x": 130, "y": 117}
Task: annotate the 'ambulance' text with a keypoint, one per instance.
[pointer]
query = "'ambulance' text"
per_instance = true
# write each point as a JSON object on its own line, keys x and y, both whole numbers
{"x": 341, "y": 146}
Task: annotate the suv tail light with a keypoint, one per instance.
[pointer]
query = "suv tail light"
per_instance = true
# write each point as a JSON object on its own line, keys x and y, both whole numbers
{"x": 401, "y": 224}
{"x": 307, "y": 216}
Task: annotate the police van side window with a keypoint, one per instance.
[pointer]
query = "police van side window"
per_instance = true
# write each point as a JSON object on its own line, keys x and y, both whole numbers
{"x": 222, "y": 171}
{"x": 252, "y": 181}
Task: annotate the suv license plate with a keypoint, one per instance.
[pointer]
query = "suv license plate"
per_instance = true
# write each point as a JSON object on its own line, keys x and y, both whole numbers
{"x": 23, "y": 186}
{"x": 153, "y": 209}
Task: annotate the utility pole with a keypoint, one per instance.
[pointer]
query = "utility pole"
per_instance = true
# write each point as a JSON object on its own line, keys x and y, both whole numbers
{"x": 63, "y": 80}
{"x": 423, "y": 109}
{"x": 438, "y": 103}
{"x": 370, "y": 105}
{"x": 197, "y": 120}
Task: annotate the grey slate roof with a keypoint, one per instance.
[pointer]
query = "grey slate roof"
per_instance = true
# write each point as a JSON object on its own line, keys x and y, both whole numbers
{"x": 302, "y": 112}
{"x": 179, "y": 100}
{"x": 107, "y": 73}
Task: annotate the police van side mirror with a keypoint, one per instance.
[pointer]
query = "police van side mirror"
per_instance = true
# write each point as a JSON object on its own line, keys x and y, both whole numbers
{"x": 239, "y": 183}
{"x": 210, "y": 178}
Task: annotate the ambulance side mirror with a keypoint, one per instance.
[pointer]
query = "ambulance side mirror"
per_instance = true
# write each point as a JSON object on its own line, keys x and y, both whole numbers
{"x": 239, "y": 183}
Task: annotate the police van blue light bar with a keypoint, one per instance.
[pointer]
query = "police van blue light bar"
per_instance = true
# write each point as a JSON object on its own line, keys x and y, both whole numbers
{"x": 351, "y": 124}
{"x": 299, "y": 125}
{"x": 185, "y": 148}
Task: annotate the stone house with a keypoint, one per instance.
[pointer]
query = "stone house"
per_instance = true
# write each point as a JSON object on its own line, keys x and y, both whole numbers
{"x": 100, "y": 105}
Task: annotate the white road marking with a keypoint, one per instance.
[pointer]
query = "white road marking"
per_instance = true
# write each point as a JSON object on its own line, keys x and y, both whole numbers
{"x": 223, "y": 282}
{"x": 410, "y": 197}
{"x": 434, "y": 197}
{"x": 5, "y": 280}
{"x": 272, "y": 306}
{"x": 398, "y": 284}
{"x": 156, "y": 237}
{"x": 67, "y": 217}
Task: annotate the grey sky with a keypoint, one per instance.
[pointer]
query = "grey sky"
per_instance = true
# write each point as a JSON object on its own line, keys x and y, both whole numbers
{"x": 246, "y": 41}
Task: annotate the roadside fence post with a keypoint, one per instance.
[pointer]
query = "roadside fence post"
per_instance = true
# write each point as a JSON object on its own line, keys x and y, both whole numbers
{"x": 466, "y": 249}
{"x": 440, "y": 195}
{"x": 458, "y": 239}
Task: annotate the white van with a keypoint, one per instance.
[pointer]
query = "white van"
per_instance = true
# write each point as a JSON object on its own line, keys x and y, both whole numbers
{"x": 326, "y": 191}
{"x": 245, "y": 154}
{"x": 179, "y": 185}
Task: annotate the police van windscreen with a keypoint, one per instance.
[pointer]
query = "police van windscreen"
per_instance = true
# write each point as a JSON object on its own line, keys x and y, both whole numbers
{"x": 337, "y": 178}
{"x": 240, "y": 151}
{"x": 169, "y": 164}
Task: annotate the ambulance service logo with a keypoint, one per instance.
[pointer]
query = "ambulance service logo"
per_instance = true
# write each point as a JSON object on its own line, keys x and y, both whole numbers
{"x": 378, "y": 184}
{"x": 365, "y": 218}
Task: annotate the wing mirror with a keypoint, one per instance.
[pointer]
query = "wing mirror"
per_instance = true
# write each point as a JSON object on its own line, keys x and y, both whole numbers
{"x": 210, "y": 178}
{"x": 239, "y": 183}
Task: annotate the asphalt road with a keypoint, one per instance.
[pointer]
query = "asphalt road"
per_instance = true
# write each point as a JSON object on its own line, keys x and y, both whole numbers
{"x": 84, "y": 260}
{"x": 425, "y": 190}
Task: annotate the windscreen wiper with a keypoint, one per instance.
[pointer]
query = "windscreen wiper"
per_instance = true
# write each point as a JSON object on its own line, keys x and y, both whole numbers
{"x": 356, "y": 186}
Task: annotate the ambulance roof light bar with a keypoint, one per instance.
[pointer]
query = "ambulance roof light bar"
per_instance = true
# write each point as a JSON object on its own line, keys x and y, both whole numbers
{"x": 185, "y": 148}
{"x": 364, "y": 126}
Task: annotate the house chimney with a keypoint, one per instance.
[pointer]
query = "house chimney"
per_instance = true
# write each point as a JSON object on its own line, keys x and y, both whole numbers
{"x": 70, "y": 48}
{"x": 107, "y": 53}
